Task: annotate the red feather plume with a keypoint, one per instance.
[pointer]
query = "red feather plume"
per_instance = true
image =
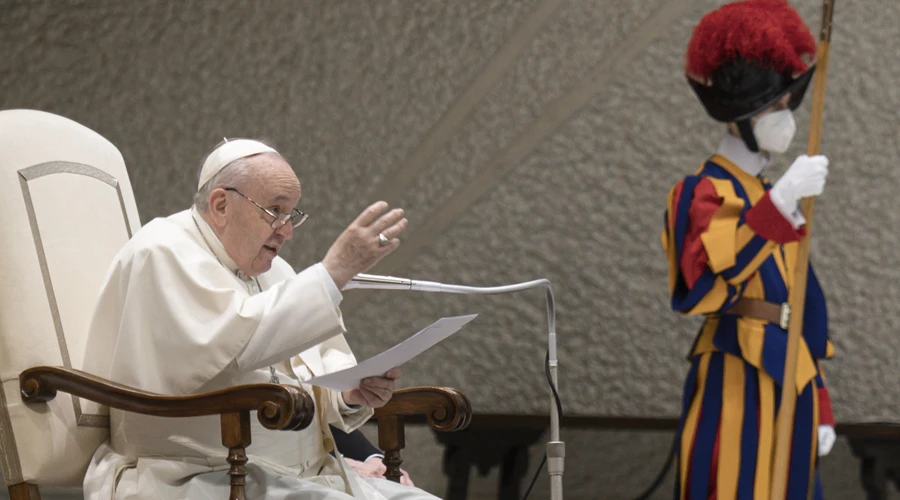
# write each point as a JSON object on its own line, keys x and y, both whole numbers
{"x": 769, "y": 32}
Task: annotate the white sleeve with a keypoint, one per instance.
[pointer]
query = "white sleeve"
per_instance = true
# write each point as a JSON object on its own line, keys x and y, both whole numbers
{"x": 332, "y": 289}
{"x": 278, "y": 338}
{"x": 346, "y": 409}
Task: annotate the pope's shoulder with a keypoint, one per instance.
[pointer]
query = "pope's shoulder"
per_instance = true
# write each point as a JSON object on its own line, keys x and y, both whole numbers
{"x": 160, "y": 235}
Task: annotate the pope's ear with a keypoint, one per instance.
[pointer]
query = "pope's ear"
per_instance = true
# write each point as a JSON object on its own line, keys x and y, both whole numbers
{"x": 218, "y": 206}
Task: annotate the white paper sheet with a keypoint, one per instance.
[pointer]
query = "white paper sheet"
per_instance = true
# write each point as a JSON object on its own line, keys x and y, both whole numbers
{"x": 395, "y": 356}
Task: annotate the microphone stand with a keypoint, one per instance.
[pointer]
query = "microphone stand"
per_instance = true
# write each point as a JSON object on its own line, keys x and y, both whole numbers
{"x": 556, "y": 449}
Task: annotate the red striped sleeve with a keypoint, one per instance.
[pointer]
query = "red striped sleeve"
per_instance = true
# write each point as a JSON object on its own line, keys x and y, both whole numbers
{"x": 703, "y": 206}
{"x": 826, "y": 415}
{"x": 766, "y": 221}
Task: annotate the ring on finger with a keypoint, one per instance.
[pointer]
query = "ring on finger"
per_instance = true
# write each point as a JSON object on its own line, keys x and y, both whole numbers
{"x": 383, "y": 240}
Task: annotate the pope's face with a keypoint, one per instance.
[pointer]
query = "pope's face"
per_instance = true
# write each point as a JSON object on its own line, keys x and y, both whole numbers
{"x": 248, "y": 235}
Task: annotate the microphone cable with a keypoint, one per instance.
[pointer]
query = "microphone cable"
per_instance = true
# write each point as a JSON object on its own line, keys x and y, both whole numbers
{"x": 558, "y": 411}
{"x": 645, "y": 495}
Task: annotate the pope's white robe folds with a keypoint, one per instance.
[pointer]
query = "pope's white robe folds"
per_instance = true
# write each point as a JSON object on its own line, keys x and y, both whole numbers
{"x": 175, "y": 316}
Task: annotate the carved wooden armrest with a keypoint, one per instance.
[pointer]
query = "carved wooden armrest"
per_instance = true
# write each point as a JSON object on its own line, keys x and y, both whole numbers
{"x": 446, "y": 410}
{"x": 279, "y": 407}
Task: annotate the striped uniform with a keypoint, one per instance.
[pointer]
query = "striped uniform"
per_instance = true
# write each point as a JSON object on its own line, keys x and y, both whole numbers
{"x": 726, "y": 240}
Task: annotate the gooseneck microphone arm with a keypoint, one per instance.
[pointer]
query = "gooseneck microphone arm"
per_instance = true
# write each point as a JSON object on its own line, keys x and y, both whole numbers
{"x": 556, "y": 451}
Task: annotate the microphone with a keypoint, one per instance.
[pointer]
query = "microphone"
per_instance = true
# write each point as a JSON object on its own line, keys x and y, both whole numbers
{"x": 556, "y": 450}
{"x": 375, "y": 282}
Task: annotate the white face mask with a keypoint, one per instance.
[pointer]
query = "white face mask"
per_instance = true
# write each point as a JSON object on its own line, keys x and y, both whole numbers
{"x": 774, "y": 131}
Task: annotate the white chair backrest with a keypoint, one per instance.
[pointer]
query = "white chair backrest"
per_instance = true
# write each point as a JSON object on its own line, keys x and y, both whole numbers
{"x": 66, "y": 208}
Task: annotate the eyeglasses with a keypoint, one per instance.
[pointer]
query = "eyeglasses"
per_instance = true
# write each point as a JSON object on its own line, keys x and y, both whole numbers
{"x": 295, "y": 216}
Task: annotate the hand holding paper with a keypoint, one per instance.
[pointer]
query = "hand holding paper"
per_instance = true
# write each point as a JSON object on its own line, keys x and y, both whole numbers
{"x": 373, "y": 392}
{"x": 380, "y": 364}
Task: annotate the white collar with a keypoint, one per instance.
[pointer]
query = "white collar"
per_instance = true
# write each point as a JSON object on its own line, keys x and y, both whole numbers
{"x": 734, "y": 149}
{"x": 215, "y": 245}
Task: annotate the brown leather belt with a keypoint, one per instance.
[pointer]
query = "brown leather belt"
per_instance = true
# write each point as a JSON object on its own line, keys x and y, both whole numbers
{"x": 780, "y": 314}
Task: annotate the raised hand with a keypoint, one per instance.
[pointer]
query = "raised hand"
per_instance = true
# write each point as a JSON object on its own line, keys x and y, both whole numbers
{"x": 365, "y": 242}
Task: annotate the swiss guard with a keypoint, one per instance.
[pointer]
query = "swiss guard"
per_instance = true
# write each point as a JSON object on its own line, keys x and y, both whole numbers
{"x": 732, "y": 240}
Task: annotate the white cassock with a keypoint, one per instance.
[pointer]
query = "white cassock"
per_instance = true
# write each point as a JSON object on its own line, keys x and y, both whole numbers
{"x": 175, "y": 316}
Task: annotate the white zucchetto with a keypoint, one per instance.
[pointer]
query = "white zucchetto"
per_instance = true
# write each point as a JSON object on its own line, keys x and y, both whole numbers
{"x": 227, "y": 153}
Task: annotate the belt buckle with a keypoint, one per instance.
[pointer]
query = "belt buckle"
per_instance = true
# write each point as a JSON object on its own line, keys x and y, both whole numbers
{"x": 785, "y": 318}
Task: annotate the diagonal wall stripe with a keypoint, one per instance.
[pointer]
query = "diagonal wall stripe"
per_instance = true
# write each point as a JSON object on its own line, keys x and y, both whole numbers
{"x": 396, "y": 182}
{"x": 555, "y": 115}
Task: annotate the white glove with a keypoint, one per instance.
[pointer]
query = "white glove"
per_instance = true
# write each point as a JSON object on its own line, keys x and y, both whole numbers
{"x": 827, "y": 437}
{"x": 805, "y": 177}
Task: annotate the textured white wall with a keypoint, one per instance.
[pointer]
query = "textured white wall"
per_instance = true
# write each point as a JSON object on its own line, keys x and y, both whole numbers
{"x": 526, "y": 139}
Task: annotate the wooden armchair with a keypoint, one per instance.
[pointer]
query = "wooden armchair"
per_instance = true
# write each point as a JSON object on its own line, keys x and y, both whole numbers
{"x": 66, "y": 210}
{"x": 446, "y": 410}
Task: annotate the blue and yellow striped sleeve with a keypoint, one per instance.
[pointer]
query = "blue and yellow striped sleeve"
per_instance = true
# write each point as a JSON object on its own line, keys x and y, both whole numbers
{"x": 736, "y": 240}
